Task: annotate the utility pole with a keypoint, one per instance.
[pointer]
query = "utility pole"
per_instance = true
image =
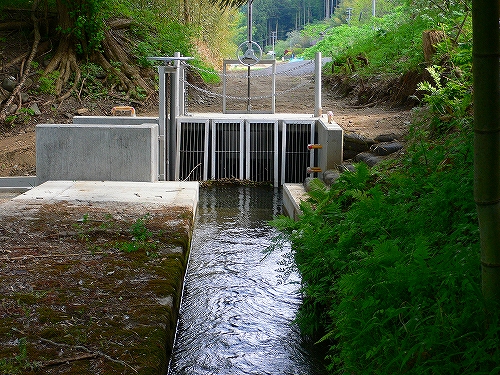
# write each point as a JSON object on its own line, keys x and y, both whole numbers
{"x": 349, "y": 14}
{"x": 373, "y": 8}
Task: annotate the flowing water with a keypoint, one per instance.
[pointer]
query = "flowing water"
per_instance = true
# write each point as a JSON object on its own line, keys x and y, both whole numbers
{"x": 236, "y": 314}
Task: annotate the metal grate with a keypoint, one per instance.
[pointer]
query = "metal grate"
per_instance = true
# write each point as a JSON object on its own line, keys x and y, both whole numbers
{"x": 227, "y": 149}
{"x": 262, "y": 151}
{"x": 192, "y": 150}
{"x": 296, "y": 157}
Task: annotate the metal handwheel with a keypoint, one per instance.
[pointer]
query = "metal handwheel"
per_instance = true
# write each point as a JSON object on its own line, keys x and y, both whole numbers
{"x": 251, "y": 55}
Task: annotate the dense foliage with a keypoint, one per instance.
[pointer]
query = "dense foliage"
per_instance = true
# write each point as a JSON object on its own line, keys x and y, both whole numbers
{"x": 389, "y": 256}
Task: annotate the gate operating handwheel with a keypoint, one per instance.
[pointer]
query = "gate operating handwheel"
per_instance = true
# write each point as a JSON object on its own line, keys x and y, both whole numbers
{"x": 251, "y": 55}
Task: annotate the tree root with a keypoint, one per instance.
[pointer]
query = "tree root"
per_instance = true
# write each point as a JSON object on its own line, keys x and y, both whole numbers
{"x": 34, "y": 49}
{"x": 114, "y": 58}
{"x": 64, "y": 61}
{"x": 130, "y": 77}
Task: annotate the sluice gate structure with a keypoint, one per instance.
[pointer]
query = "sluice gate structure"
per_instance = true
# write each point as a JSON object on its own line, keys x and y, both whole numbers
{"x": 269, "y": 147}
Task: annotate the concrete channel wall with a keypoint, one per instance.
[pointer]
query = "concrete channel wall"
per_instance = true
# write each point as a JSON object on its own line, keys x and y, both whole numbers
{"x": 91, "y": 278}
{"x": 331, "y": 139}
{"x": 97, "y": 152}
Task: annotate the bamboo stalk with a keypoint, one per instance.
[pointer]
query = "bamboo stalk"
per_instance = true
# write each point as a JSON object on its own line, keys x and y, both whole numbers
{"x": 486, "y": 53}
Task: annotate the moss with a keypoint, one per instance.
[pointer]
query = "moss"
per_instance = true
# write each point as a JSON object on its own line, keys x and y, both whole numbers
{"x": 47, "y": 315}
{"x": 87, "y": 292}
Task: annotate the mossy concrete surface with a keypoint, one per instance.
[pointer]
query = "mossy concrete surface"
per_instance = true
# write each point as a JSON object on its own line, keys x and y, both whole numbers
{"x": 91, "y": 284}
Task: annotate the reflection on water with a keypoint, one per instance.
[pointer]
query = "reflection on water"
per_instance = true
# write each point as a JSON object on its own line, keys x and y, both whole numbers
{"x": 236, "y": 317}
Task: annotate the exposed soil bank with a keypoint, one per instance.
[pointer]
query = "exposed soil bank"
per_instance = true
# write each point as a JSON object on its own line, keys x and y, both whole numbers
{"x": 74, "y": 300}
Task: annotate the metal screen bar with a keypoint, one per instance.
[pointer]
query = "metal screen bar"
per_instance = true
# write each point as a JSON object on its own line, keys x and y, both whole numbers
{"x": 261, "y": 151}
{"x": 296, "y": 157}
{"x": 192, "y": 152}
{"x": 227, "y": 149}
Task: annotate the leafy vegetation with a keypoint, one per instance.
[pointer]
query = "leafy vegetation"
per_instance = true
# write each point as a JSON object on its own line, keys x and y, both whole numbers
{"x": 19, "y": 363}
{"x": 117, "y": 38}
{"x": 389, "y": 256}
{"x": 391, "y": 44}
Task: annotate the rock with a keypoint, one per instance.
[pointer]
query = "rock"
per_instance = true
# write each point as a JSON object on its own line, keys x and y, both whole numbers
{"x": 101, "y": 74}
{"x": 350, "y": 154}
{"x": 35, "y": 109}
{"x": 347, "y": 167}
{"x": 330, "y": 176}
{"x": 81, "y": 111}
{"x": 313, "y": 183}
{"x": 368, "y": 158}
{"x": 386, "y": 137}
{"x": 307, "y": 183}
{"x": 12, "y": 109}
{"x": 24, "y": 97}
{"x": 386, "y": 148}
{"x": 28, "y": 83}
{"x": 357, "y": 142}
{"x": 68, "y": 115}
{"x": 4, "y": 94}
{"x": 9, "y": 84}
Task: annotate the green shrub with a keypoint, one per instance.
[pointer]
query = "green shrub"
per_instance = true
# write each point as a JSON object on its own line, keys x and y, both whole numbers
{"x": 389, "y": 257}
{"x": 47, "y": 83}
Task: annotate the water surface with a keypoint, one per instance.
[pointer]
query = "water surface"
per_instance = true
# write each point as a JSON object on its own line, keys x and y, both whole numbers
{"x": 236, "y": 314}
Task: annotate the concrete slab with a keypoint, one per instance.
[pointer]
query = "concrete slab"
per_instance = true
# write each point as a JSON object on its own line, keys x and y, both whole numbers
{"x": 78, "y": 241}
{"x": 17, "y": 184}
{"x": 293, "y": 194}
{"x": 161, "y": 193}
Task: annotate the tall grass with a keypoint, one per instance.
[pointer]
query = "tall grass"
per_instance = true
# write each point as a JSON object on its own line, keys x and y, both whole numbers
{"x": 391, "y": 44}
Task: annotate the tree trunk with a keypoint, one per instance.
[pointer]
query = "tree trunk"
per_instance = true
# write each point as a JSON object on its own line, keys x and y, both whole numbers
{"x": 429, "y": 40}
{"x": 486, "y": 53}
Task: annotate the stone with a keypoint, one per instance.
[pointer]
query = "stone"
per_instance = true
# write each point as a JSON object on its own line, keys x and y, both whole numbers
{"x": 307, "y": 183}
{"x": 331, "y": 176}
{"x": 24, "y": 97}
{"x": 386, "y": 148}
{"x": 9, "y": 84}
{"x": 4, "y": 94}
{"x": 347, "y": 167}
{"x": 101, "y": 74}
{"x": 357, "y": 142}
{"x": 386, "y": 137}
{"x": 350, "y": 154}
{"x": 28, "y": 83}
{"x": 81, "y": 111}
{"x": 35, "y": 109}
{"x": 12, "y": 109}
{"x": 368, "y": 158}
{"x": 313, "y": 183}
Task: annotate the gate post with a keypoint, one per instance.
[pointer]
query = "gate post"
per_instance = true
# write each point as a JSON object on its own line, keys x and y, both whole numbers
{"x": 317, "y": 86}
{"x": 162, "y": 122}
{"x": 169, "y": 74}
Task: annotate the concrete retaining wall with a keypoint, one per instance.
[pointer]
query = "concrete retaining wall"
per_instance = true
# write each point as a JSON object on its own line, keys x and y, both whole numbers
{"x": 96, "y": 152}
{"x": 331, "y": 138}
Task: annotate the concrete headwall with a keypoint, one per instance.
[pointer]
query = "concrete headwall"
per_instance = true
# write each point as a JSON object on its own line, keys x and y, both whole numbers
{"x": 331, "y": 138}
{"x": 97, "y": 152}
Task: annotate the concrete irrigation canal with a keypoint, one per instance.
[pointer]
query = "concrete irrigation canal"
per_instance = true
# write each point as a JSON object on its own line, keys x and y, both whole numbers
{"x": 91, "y": 277}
